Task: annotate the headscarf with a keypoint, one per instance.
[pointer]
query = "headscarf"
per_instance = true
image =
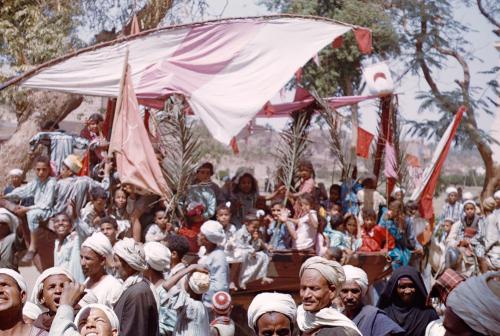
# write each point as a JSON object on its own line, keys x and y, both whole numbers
{"x": 396, "y": 190}
{"x": 214, "y": 232}
{"x": 18, "y": 278}
{"x": 450, "y": 190}
{"x": 413, "y": 319}
{"x": 331, "y": 270}
{"x": 15, "y": 172}
{"x": 446, "y": 282}
{"x": 358, "y": 275}
{"x": 110, "y": 314}
{"x": 157, "y": 256}
{"x": 31, "y": 310}
{"x": 132, "y": 253}
{"x": 38, "y": 288}
{"x": 8, "y": 217}
{"x": 199, "y": 282}
{"x": 476, "y": 304}
{"x": 271, "y": 302}
{"x": 99, "y": 243}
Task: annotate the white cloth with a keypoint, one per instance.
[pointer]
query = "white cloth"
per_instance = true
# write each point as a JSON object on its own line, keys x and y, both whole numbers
{"x": 331, "y": 270}
{"x": 31, "y": 310}
{"x": 10, "y": 219}
{"x": 132, "y": 253}
{"x": 38, "y": 287}
{"x": 192, "y": 315}
{"x": 396, "y": 190}
{"x": 214, "y": 231}
{"x": 450, "y": 190}
{"x": 199, "y": 282}
{"x": 110, "y": 314}
{"x": 108, "y": 290}
{"x": 15, "y": 172}
{"x": 18, "y": 278}
{"x": 271, "y": 302}
{"x": 99, "y": 243}
{"x": 358, "y": 275}
{"x": 435, "y": 328}
{"x": 326, "y": 317}
{"x": 157, "y": 256}
{"x": 496, "y": 195}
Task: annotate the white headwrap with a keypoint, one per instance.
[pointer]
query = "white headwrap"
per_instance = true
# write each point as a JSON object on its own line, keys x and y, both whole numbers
{"x": 18, "y": 278}
{"x": 331, "y": 270}
{"x": 37, "y": 289}
{"x": 157, "y": 256}
{"x": 271, "y": 302}
{"x": 8, "y": 217}
{"x": 199, "y": 282}
{"x": 15, "y": 172}
{"x": 110, "y": 314}
{"x": 450, "y": 190}
{"x": 214, "y": 232}
{"x": 469, "y": 202}
{"x": 496, "y": 195}
{"x": 99, "y": 243}
{"x": 31, "y": 310}
{"x": 358, "y": 275}
{"x": 396, "y": 190}
{"x": 328, "y": 316}
{"x": 132, "y": 253}
{"x": 467, "y": 196}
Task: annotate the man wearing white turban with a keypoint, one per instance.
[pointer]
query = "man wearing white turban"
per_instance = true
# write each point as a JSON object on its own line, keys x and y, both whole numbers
{"x": 14, "y": 295}
{"x": 136, "y": 308}
{"x": 320, "y": 281}
{"x": 370, "y": 320}
{"x": 270, "y": 312}
{"x": 11, "y": 240}
{"x": 94, "y": 254}
{"x": 452, "y": 208}
{"x": 211, "y": 237}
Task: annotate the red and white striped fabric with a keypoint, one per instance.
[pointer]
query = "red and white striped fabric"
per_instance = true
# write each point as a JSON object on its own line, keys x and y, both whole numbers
{"x": 227, "y": 69}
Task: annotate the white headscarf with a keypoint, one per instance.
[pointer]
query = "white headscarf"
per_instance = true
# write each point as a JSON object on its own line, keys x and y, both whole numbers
{"x": 8, "y": 217}
{"x": 157, "y": 256}
{"x": 199, "y": 282}
{"x": 99, "y": 243}
{"x": 396, "y": 190}
{"x": 271, "y": 302}
{"x": 132, "y": 253}
{"x": 110, "y": 314}
{"x": 358, "y": 275}
{"x": 37, "y": 289}
{"x": 31, "y": 310}
{"x": 450, "y": 190}
{"x": 214, "y": 232}
{"x": 18, "y": 278}
{"x": 331, "y": 270}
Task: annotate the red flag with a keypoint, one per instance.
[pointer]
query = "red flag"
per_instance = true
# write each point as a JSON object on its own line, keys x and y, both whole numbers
{"x": 337, "y": 43}
{"x": 364, "y": 38}
{"x": 425, "y": 192}
{"x": 365, "y": 139}
{"x": 136, "y": 160}
{"x": 234, "y": 146}
{"x": 85, "y": 171}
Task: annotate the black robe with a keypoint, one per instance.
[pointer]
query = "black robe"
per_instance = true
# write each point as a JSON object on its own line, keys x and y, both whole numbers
{"x": 137, "y": 312}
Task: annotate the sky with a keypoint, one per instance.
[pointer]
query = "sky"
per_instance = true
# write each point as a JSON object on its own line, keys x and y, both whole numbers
{"x": 483, "y": 48}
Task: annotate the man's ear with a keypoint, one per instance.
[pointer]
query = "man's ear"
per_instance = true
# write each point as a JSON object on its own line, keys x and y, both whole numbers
{"x": 333, "y": 291}
{"x": 24, "y": 297}
{"x": 114, "y": 332}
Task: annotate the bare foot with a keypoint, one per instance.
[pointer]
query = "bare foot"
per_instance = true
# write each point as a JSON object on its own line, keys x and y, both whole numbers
{"x": 233, "y": 287}
{"x": 267, "y": 281}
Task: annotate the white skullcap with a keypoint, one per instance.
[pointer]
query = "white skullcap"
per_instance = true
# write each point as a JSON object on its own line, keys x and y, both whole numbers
{"x": 450, "y": 190}
{"x": 110, "y": 314}
{"x": 15, "y": 172}
{"x": 358, "y": 275}
{"x": 199, "y": 282}
{"x": 271, "y": 302}
{"x": 214, "y": 232}
{"x": 8, "y": 217}
{"x": 331, "y": 270}
{"x": 467, "y": 196}
{"x": 496, "y": 194}
{"x": 18, "y": 278}
{"x": 469, "y": 202}
{"x": 396, "y": 190}
{"x": 99, "y": 243}
{"x": 132, "y": 253}
{"x": 73, "y": 163}
{"x": 157, "y": 256}
{"x": 31, "y": 310}
{"x": 37, "y": 289}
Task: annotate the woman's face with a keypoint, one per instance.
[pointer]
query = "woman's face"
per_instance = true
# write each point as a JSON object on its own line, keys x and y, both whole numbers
{"x": 95, "y": 323}
{"x": 245, "y": 184}
{"x": 406, "y": 290}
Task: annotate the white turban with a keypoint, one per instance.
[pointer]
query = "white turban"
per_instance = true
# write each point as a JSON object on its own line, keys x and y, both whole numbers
{"x": 31, "y": 310}
{"x": 15, "y": 172}
{"x": 496, "y": 194}
{"x": 469, "y": 202}
{"x": 18, "y": 278}
{"x": 8, "y": 217}
{"x": 214, "y": 232}
{"x": 467, "y": 196}
{"x": 396, "y": 190}
{"x": 99, "y": 243}
{"x": 271, "y": 302}
{"x": 37, "y": 289}
{"x": 157, "y": 256}
{"x": 450, "y": 190}
{"x": 331, "y": 270}
{"x": 199, "y": 282}
{"x": 358, "y": 275}
{"x": 132, "y": 253}
{"x": 110, "y": 314}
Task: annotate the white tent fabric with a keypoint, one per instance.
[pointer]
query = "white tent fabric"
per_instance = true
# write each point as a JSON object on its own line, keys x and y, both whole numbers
{"x": 226, "y": 69}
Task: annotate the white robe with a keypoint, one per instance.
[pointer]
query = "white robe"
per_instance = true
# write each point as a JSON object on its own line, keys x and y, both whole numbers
{"x": 108, "y": 290}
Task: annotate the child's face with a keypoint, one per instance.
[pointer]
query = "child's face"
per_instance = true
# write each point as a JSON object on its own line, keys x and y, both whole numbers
{"x": 93, "y": 126}
{"x": 252, "y": 226}
{"x": 351, "y": 226}
{"x": 335, "y": 209}
{"x": 65, "y": 171}
{"x": 447, "y": 226}
{"x": 120, "y": 199}
{"x": 224, "y": 217}
{"x": 16, "y": 180}
{"x": 245, "y": 184}
{"x": 305, "y": 174}
{"x": 305, "y": 205}
{"x": 255, "y": 235}
{"x": 62, "y": 226}
{"x": 204, "y": 174}
{"x": 276, "y": 210}
{"x": 161, "y": 219}
{"x": 452, "y": 197}
{"x": 109, "y": 231}
{"x": 42, "y": 170}
{"x": 99, "y": 204}
{"x": 470, "y": 210}
{"x": 368, "y": 223}
{"x": 334, "y": 195}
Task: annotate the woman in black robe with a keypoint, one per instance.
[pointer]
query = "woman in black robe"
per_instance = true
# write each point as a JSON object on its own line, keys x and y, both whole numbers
{"x": 404, "y": 301}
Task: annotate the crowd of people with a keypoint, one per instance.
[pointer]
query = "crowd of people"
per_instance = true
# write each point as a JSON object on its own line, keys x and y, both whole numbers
{"x": 115, "y": 260}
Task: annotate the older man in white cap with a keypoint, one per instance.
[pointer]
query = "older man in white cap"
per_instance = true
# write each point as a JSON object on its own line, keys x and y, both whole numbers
{"x": 14, "y": 294}
{"x": 320, "y": 282}
{"x": 94, "y": 254}
{"x": 370, "y": 320}
{"x": 272, "y": 314}
{"x": 136, "y": 308}
{"x": 211, "y": 237}
{"x": 11, "y": 239}
{"x": 452, "y": 208}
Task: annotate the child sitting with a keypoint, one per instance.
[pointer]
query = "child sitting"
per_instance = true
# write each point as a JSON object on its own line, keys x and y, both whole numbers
{"x": 351, "y": 233}
{"x": 335, "y": 232}
{"x": 374, "y": 237}
{"x": 223, "y": 214}
{"x": 306, "y": 225}
{"x": 91, "y": 214}
{"x": 191, "y": 226}
{"x": 158, "y": 231}
{"x": 278, "y": 230}
{"x": 119, "y": 212}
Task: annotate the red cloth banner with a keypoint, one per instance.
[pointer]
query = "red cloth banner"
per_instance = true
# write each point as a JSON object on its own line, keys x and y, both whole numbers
{"x": 364, "y": 39}
{"x": 365, "y": 139}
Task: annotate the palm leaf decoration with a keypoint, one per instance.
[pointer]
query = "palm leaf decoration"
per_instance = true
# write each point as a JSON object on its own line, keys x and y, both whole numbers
{"x": 181, "y": 152}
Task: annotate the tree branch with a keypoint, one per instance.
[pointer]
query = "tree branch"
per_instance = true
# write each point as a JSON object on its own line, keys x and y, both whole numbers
{"x": 490, "y": 18}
